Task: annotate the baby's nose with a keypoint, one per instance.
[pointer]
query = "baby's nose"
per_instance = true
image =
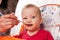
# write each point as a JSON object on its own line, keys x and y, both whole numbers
{"x": 29, "y": 20}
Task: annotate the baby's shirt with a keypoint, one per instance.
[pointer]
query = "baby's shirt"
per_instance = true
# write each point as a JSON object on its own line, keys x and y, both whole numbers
{"x": 40, "y": 35}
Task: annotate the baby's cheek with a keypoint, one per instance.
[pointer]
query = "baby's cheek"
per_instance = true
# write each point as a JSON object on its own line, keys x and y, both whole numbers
{"x": 35, "y": 25}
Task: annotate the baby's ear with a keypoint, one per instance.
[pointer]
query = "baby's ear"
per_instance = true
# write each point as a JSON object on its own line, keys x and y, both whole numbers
{"x": 41, "y": 21}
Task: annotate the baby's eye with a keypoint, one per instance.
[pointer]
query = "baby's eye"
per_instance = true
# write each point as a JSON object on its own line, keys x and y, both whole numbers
{"x": 33, "y": 16}
{"x": 24, "y": 18}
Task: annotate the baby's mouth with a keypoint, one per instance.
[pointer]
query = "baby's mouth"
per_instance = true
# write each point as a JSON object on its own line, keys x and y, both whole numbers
{"x": 29, "y": 24}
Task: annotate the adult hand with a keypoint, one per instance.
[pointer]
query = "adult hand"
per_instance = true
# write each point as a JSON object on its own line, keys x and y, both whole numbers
{"x": 8, "y": 21}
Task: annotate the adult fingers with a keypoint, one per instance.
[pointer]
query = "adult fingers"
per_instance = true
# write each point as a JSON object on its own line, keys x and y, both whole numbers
{"x": 9, "y": 16}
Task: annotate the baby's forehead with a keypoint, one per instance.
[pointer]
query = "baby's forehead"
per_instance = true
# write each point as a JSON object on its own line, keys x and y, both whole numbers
{"x": 33, "y": 8}
{"x": 30, "y": 12}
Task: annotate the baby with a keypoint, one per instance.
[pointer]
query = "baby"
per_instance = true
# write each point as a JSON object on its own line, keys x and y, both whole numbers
{"x": 32, "y": 20}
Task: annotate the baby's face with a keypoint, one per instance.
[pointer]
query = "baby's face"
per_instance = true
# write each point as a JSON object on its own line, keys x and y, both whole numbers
{"x": 31, "y": 18}
{"x": 0, "y": 1}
